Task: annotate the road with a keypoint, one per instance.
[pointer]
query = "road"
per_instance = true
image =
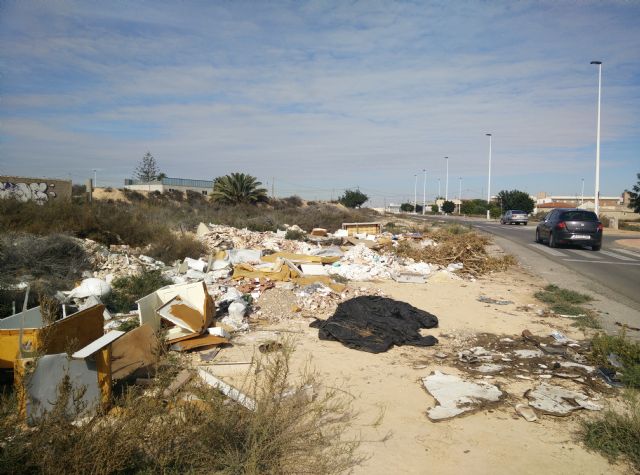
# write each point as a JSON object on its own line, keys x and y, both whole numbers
{"x": 613, "y": 272}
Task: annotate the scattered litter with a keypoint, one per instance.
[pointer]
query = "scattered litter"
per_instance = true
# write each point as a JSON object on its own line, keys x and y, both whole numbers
{"x": 456, "y": 395}
{"x": 270, "y": 347}
{"x": 558, "y": 401}
{"x": 526, "y": 412}
{"x": 90, "y": 287}
{"x": 226, "y": 389}
{"x": 490, "y": 300}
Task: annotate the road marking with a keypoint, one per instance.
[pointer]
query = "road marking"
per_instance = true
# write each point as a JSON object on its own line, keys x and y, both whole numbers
{"x": 604, "y": 262}
{"x": 625, "y": 251}
{"x": 586, "y": 254}
{"x": 617, "y": 256}
{"x": 548, "y": 250}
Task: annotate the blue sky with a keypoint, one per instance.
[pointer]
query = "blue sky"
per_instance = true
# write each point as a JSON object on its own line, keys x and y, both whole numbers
{"x": 323, "y": 95}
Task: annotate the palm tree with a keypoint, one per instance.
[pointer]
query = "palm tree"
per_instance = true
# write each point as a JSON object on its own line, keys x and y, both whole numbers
{"x": 237, "y": 188}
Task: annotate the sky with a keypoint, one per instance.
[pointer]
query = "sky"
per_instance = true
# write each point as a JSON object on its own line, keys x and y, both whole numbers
{"x": 317, "y": 97}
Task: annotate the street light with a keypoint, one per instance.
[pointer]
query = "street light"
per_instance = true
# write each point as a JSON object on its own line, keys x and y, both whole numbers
{"x": 597, "y": 193}
{"x": 489, "y": 180}
{"x": 582, "y": 195}
{"x": 95, "y": 178}
{"x": 459, "y": 195}
{"x": 424, "y": 191}
{"x": 415, "y": 192}
{"x": 446, "y": 184}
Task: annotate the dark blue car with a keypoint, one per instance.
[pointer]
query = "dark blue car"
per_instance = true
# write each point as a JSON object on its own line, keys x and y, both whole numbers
{"x": 570, "y": 226}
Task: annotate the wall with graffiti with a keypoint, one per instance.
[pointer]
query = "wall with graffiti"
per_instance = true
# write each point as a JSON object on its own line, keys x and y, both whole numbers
{"x": 39, "y": 190}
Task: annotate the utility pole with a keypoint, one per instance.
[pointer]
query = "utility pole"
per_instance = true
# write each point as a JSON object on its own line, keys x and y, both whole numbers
{"x": 459, "y": 195}
{"x": 582, "y": 195}
{"x": 415, "y": 192}
{"x": 273, "y": 187}
{"x": 446, "y": 184}
{"x": 597, "y": 193}
{"x": 424, "y": 191}
{"x": 489, "y": 180}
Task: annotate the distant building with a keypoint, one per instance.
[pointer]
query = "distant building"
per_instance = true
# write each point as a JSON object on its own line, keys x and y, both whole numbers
{"x": 204, "y": 187}
{"x": 610, "y": 206}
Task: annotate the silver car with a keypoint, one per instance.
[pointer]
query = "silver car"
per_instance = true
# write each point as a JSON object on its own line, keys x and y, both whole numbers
{"x": 514, "y": 216}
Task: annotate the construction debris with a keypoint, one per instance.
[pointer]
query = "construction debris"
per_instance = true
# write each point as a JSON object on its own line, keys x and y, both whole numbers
{"x": 456, "y": 396}
{"x": 558, "y": 401}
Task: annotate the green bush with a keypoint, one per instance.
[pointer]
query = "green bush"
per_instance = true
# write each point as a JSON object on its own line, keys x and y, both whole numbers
{"x": 126, "y": 290}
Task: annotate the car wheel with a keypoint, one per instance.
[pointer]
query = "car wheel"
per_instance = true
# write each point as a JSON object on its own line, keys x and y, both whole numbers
{"x": 552, "y": 241}
{"x": 596, "y": 247}
{"x": 538, "y": 239}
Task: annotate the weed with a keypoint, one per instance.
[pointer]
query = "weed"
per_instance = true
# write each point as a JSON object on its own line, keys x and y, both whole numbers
{"x": 616, "y": 434}
{"x": 288, "y": 432}
{"x": 468, "y": 248}
{"x": 587, "y": 319}
{"x": 169, "y": 247}
{"x": 126, "y": 290}
{"x": 554, "y": 295}
{"x": 627, "y": 352}
{"x": 295, "y": 235}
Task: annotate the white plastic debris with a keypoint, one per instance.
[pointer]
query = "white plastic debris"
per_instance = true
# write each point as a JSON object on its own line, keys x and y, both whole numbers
{"x": 195, "y": 264}
{"x": 456, "y": 396}
{"x": 341, "y": 233}
{"x": 146, "y": 259}
{"x": 90, "y": 287}
{"x": 559, "y": 401}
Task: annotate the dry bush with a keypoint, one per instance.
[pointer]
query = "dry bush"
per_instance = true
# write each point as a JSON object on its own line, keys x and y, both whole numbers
{"x": 457, "y": 245}
{"x": 169, "y": 247}
{"x": 287, "y": 433}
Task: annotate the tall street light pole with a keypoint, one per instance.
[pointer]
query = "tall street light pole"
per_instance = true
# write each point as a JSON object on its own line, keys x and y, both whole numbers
{"x": 489, "y": 180}
{"x": 597, "y": 193}
{"x": 459, "y": 194}
{"x": 446, "y": 183}
{"x": 95, "y": 178}
{"x": 415, "y": 192}
{"x": 438, "y": 188}
{"x": 582, "y": 195}
{"x": 424, "y": 191}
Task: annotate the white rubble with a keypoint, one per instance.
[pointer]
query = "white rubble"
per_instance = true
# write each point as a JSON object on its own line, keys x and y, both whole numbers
{"x": 456, "y": 396}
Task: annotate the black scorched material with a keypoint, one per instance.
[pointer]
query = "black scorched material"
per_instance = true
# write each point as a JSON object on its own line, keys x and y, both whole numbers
{"x": 374, "y": 324}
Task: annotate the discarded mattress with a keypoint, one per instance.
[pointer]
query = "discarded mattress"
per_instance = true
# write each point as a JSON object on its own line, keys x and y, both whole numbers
{"x": 374, "y": 324}
{"x": 456, "y": 395}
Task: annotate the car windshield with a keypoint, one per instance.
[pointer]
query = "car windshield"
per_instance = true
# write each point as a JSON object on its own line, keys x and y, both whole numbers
{"x": 579, "y": 216}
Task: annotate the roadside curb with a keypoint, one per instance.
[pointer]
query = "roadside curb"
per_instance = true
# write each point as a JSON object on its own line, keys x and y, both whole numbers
{"x": 629, "y": 243}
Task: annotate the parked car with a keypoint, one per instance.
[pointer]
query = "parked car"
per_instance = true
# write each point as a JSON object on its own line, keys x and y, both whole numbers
{"x": 514, "y": 216}
{"x": 570, "y": 226}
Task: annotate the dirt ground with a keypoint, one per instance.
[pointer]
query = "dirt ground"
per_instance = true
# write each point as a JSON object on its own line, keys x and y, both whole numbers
{"x": 492, "y": 440}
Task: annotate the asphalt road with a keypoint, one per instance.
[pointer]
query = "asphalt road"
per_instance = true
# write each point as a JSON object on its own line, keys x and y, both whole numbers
{"x": 613, "y": 267}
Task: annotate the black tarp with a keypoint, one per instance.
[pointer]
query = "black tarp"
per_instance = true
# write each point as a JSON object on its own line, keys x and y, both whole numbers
{"x": 374, "y": 324}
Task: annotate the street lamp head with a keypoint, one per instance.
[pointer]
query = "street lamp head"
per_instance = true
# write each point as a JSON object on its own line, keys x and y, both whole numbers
{"x": 488, "y": 135}
{"x": 596, "y": 62}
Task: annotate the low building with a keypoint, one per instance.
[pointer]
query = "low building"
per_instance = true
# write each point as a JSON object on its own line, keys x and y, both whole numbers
{"x": 204, "y": 187}
{"x": 610, "y": 206}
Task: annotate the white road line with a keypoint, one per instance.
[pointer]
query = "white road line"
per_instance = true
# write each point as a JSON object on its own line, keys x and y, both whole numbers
{"x": 617, "y": 256}
{"x": 625, "y": 251}
{"x": 586, "y": 254}
{"x": 604, "y": 262}
{"x": 548, "y": 250}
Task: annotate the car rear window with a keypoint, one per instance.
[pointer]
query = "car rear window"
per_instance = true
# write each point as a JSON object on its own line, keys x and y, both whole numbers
{"x": 517, "y": 211}
{"x": 579, "y": 216}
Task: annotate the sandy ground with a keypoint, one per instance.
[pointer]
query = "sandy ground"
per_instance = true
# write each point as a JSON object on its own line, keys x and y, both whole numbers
{"x": 490, "y": 441}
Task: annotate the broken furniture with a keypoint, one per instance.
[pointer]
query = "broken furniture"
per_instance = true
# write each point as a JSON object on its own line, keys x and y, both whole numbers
{"x": 26, "y": 332}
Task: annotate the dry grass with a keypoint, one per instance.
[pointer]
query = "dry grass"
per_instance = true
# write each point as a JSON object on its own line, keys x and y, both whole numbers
{"x": 287, "y": 433}
{"x": 457, "y": 244}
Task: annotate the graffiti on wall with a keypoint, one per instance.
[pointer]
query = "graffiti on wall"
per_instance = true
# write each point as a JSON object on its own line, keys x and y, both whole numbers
{"x": 40, "y": 192}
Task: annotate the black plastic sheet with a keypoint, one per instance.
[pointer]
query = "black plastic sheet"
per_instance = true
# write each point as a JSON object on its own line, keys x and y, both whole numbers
{"x": 374, "y": 324}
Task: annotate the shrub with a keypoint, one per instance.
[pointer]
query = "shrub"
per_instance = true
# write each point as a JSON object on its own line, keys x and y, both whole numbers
{"x": 295, "y": 235}
{"x": 353, "y": 198}
{"x": 288, "y": 432}
{"x": 126, "y": 290}
{"x": 169, "y": 247}
{"x": 627, "y": 352}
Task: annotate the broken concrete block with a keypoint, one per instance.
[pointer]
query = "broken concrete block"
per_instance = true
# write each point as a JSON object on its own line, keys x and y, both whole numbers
{"x": 202, "y": 230}
{"x": 456, "y": 395}
{"x": 195, "y": 264}
{"x": 88, "y": 287}
{"x": 182, "y": 378}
